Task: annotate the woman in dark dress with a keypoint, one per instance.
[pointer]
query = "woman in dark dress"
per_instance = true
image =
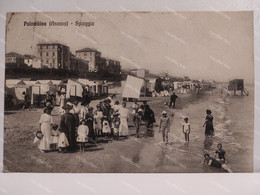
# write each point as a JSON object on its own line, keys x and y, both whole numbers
{"x": 209, "y": 129}
{"x": 67, "y": 125}
{"x": 90, "y": 123}
{"x": 149, "y": 118}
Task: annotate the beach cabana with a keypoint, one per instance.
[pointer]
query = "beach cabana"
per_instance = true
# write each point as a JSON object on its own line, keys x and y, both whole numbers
{"x": 90, "y": 85}
{"x": 151, "y": 85}
{"x": 44, "y": 85}
{"x": 15, "y": 89}
{"x": 132, "y": 87}
{"x": 74, "y": 88}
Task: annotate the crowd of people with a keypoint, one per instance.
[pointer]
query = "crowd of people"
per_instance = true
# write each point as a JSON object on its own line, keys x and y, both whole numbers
{"x": 80, "y": 123}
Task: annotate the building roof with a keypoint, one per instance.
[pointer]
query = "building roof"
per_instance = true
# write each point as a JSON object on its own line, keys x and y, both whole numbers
{"x": 29, "y": 82}
{"x": 56, "y": 82}
{"x": 87, "y": 49}
{"x": 13, "y": 54}
{"x": 29, "y": 56}
{"x": 44, "y": 82}
{"x": 52, "y": 43}
{"x": 79, "y": 59}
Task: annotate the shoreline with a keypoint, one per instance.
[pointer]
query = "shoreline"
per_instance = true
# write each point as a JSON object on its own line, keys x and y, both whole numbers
{"x": 132, "y": 155}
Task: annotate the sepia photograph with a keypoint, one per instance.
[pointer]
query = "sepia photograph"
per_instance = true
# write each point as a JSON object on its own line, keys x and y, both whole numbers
{"x": 129, "y": 92}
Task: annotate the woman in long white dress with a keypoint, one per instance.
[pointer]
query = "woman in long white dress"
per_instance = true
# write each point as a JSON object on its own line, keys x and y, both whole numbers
{"x": 124, "y": 115}
{"x": 45, "y": 123}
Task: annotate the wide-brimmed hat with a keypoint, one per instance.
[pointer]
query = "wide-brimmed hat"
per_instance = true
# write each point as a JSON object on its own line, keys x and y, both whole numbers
{"x": 39, "y": 135}
{"x": 164, "y": 112}
{"x": 67, "y": 107}
{"x": 69, "y": 103}
{"x": 83, "y": 120}
{"x": 208, "y": 111}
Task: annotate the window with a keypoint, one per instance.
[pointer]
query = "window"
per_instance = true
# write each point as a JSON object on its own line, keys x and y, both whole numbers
{"x": 47, "y": 54}
{"x": 47, "y": 61}
{"x": 53, "y": 53}
{"x": 53, "y": 61}
{"x": 46, "y": 46}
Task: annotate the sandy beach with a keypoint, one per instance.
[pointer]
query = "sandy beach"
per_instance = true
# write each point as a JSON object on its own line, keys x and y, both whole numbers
{"x": 143, "y": 155}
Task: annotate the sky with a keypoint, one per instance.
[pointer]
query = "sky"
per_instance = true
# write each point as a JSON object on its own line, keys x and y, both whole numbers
{"x": 201, "y": 45}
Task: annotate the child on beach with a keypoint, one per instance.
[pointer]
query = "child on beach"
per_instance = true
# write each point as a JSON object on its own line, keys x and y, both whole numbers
{"x": 164, "y": 126}
{"x": 106, "y": 128}
{"x": 115, "y": 125}
{"x": 54, "y": 137}
{"x": 221, "y": 154}
{"x": 82, "y": 135}
{"x": 215, "y": 163}
{"x": 186, "y": 129}
{"x": 63, "y": 142}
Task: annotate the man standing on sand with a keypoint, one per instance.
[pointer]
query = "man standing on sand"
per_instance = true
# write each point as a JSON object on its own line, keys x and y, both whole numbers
{"x": 67, "y": 125}
{"x": 173, "y": 99}
{"x": 164, "y": 126}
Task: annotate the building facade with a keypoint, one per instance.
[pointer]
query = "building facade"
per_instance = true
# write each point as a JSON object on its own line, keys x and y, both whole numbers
{"x": 54, "y": 55}
{"x": 92, "y": 56}
{"x": 112, "y": 66}
{"x": 32, "y": 61}
{"x": 28, "y": 59}
{"x": 14, "y": 60}
{"x": 79, "y": 65}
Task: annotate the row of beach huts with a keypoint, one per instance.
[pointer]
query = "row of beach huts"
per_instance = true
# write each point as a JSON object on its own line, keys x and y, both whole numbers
{"x": 37, "y": 89}
{"x": 134, "y": 87}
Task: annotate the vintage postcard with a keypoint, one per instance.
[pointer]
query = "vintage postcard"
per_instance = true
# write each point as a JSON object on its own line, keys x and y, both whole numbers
{"x": 129, "y": 92}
